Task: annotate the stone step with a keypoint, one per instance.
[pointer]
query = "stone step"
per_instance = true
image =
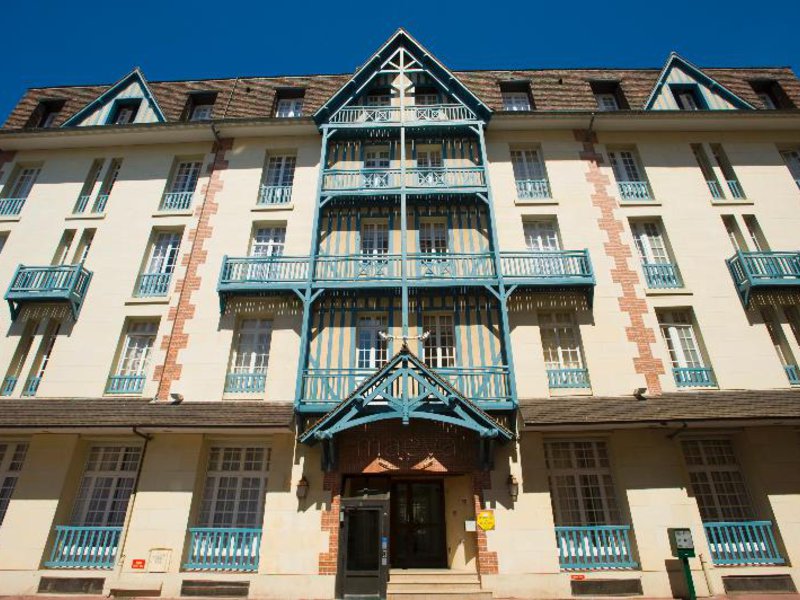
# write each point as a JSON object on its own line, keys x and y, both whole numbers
{"x": 442, "y": 586}
{"x": 436, "y": 595}
{"x": 433, "y": 578}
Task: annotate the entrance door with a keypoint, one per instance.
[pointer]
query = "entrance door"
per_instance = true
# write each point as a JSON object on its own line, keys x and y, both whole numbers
{"x": 418, "y": 528}
{"x": 364, "y": 548}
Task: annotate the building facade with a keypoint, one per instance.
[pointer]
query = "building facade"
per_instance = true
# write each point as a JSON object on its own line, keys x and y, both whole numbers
{"x": 405, "y": 332}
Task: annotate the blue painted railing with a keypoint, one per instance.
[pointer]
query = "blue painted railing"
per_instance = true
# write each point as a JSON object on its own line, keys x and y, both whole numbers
{"x": 694, "y": 377}
{"x": 792, "y": 373}
{"x": 662, "y": 275}
{"x": 10, "y": 207}
{"x": 445, "y": 178}
{"x": 81, "y": 204}
{"x": 568, "y": 378}
{"x": 176, "y": 201}
{"x": 481, "y": 384}
{"x": 9, "y": 383}
{"x": 84, "y": 547}
{"x": 269, "y": 195}
{"x": 258, "y": 271}
{"x": 245, "y": 383}
{"x": 47, "y": 284}
{"x": 366, "y": 115}
{"x": 100, "y": 203}
{"x": 753, "y": 270}
{"x": 560, "y": 267}
{"x": 715, "y": 189}
{"x": 150, "y": 285}
{"x": 736, "y": 189}
{"x": 634, "y": 190}
{"x": 416, "y": 115}
{"x": 436, "y": 113}
{"x": 358, "y": 268}
{"x": 31, "y": 386}
{"x": 797, "y": 181}
{"x": 339, "y": 180}
{"x": 595, "y": 547}
{"x": 533, "y": 188}
{"x": 125, "y": 384}
{"x": 742, "y": 543}
{"x": 223, "y": 549}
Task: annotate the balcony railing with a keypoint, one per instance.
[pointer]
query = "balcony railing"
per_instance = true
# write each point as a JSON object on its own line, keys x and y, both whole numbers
{"x": 416, "y": 115}
{"x": 152, "y": 285}
{"x": 66, "y": 283}
{"x": 736, "y": 189}
{"x": 533, "y": 188}
{"x": 445, "y": 178}
{"x": 568, "y": 378}
{"x": 245, "y": 383}
{"x": 31, "y": 386}
{"x": 258, "y": 271}
{"x": 694, "y": 377}
{"x": 715, "y": 189}
{"x": 662, "y": 276}
{"x": 416, "y": 178}
{"x": 742, "y": 543}
{"x": 271, "y": 195}
{"x": 84, "y": 547}
{"x": 483, "y": 384}
{"x": 9, "y": 383}
{"x": 365, "y": 115}
{"x": 554, "y": 267}
{"x": 437, "y": 113}
{"x": 595, "y": 547}
{"x": 753, "y": 270}
{"x": 176, "y": 201}
{"x": 345, "y": 180}
{"x": 792, "y": 374}
{"x": 223, "y": 549}
{"x": 100, "y": 203}
{"x": 634, "y": 190}
{"x": 81, "y": 204}
{"x": 10, "y": 207}
{"x": 125, "y": 384}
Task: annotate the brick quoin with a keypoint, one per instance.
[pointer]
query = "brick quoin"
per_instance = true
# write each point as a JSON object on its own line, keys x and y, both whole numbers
{"x": 184, "y": 311}
{"x": 487, "y": 561}
{"x": 330, "y": 523}
{"x": 630, "y": 303}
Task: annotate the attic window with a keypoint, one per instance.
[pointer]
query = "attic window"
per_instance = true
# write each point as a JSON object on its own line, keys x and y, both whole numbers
{"x": 688, "y": 97}
{"x": 516, "y": 95}
{"x": 200, "y": 106}
{"x": 45, "y": 113}
{"x": 608, "y": 95}
{"x": 426, "y": 96}
{"x": 771, "y": 94}
{"x": 124, "y": 112}
{"x": 379, "y": 97}
{"x": 289, "y": 103}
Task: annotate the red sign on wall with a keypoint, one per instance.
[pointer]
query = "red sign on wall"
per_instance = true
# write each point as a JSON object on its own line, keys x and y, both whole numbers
{"x": 137, "y": 563}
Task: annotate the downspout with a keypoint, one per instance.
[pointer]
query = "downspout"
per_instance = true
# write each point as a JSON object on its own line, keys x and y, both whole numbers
{"x": 588, "y": 137}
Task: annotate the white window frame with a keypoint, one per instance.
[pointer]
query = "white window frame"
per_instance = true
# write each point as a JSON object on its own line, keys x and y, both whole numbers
{"x": 137, "y": 347}
{"x": 23, "y": 182}
{"x": 766, "y": 99}
{"x": 234, "y": 490}
{"x": 606, "y": 102}
{"x": 527, "y": 164}
{"x": 163, "y": 255}
{"x": 426, "y": 99}
{"x": 12, "y": 461}
{"x": 378, "y": 100}
{"x": 371, "y": 347}
{"x": 288, "y": 108}
{"x": 280, "y": 170}
{"x": 377, "y": 158}
{"x": 202, "y": 112}
{"x": 429, "y": 159}
{"x": 108, "y": 481}
{"x": 268, "y": 240}
{"x": 677, "y": 328}
{"x": 687, "y": 100}
{"x": 251, "y": 348}
{"x": 439, "y": 348}
{"x": 433, "y": 236}
{"x": 187, "y": 173}
{"x": 516, "y": 101}
{"x": 626, "y": 167}
{"x": 561, "y": 342}
{"x": 541, "y": 235}
{"x": 650, "y": 242}
{"x": 374, "y": 238}
{"x": 792, "y": 159}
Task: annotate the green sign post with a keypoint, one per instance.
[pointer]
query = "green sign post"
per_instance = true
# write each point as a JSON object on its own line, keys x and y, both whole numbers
{"x": 680, "y": 540}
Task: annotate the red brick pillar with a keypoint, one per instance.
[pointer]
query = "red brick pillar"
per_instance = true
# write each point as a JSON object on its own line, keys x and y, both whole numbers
{"x": 487, "y": 561}
{"x": 330, "y": 523}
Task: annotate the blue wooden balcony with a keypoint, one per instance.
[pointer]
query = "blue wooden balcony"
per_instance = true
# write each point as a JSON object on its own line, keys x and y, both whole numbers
{"x": 488, "y": 386}
{"x": 436, "y": 114}
{"x": 736, "y": 189}
{"x": 568, "y": 378}
{"x": 634, "y": 190}
{"x": 694, "y": 377}
{"x": 755, "y": 271}
{"x": 742, "y": 543}
{"x": 445, "y": 178}
{"x": 417, "y": 115}
{"x": 152, "y": 285}
{"x": 250, "y": 382}
{"x": 662, "y": 276}
{"x": 59, "y": 283}
{"x": 223, "y": 549}
{"x": 84, "y": 547}
{"x": 9, "y": 383}
{"x": 365, "y": 116}
{"x": 100, "y": 203}
{"x": 533, "y": 188}
{"x": 274, "y": 195}
{"x": 595, "y": 547}
{"x": 125, "y": 384}
{"x": 176, "y": 201}
{"x": 416, "y": 180}
{"x": 715, "y": 189}
{"x": 11, "y": 207}
{"x": 792, "y": 374}
{"x": 81, "y": 204}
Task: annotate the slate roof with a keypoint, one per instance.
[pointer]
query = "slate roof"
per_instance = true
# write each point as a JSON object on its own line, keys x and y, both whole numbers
{"x": 254, "y": 97}
{"x": 139, "y": 412}
{"x": 670, "y": 407}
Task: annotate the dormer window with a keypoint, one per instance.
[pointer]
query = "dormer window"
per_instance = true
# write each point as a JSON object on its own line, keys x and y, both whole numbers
{"x": 289, "y": 103}
{"x": 608, "y": 95}
{"x": 45, "y": 114}
{"x": 688, "y": 97}
{"x": 200, "y": 106}
{"x": 516, "y": 95}
{"x": 379, "y": 98}
{"x": 771, "y": 94}
{"x": 124, "y": 112}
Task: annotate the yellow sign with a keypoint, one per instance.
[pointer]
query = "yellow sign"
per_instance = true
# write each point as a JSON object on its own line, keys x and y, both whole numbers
{"x": 485, "y": 520}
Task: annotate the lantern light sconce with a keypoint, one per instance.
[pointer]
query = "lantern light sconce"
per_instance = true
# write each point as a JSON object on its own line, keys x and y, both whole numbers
{"x": 513, "y": 487}
{"x": 302, "y": 487}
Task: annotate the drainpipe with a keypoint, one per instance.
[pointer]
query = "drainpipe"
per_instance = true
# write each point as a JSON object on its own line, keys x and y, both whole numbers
{"x": 588, "y": 137}
{"x": 706, "y": 575}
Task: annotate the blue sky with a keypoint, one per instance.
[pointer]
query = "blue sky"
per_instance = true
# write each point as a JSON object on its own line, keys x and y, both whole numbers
{"x": 70, "y": 43}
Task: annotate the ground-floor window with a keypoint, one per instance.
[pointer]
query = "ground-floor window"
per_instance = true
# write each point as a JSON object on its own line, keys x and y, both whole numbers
{"x": 106, "y": 487}
{"x": 12, "y": 458}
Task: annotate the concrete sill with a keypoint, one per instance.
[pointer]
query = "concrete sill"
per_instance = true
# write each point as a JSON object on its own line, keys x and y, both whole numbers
{"x": 173, "y": 213}
{"x": 742, "y": 202}
{"x": 669, "y": 292}
{"x": 156, "y": 300}
{"x": 563, "y": 392}
{"x": 9, "y": 219}
{"x": 535, "y": 202}
{"x": 272, "y": 207}
{"x": 231, "y": 397}
{"x": 86, "y": 216}
{"x": 640, "y": 202}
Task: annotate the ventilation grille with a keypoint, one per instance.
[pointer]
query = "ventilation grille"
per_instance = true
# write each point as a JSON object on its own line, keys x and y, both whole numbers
{"x": 765, "y": 584}
{"x": 215, "y": 589}
{"x": 71, "y": 585}
{"x": 607, "y": 587}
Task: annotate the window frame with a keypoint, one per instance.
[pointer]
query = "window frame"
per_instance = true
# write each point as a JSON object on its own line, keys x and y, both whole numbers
{"x": 12, "y": 460}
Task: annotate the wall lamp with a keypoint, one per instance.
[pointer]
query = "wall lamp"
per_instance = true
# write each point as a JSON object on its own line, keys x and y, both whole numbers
{"x": 302, "y": 488}
{"x": 513, "y": 487}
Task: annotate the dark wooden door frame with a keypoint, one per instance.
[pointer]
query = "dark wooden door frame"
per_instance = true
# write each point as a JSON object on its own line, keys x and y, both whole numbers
{"x": 380, "y": 504}
{"x": 394, "y": 527}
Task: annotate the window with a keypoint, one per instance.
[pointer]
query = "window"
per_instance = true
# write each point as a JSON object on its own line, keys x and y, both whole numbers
{"x": 780, "y": 343}
{"x": 439, "y": 349}
{"x": 608, "y": 95}
{"x": 12, "y": 459}
{"x": 716, "y": 481}
{"x": 62, "y": 250}
{"x": 630, "y": 178}
{"x": 734, "y": 233}
{"x": 112, "y": 174}
{"x": 124, "y": 112}
{"x": 516, "y": 95}
{"x": 606, "y": 102}
{"x": 42, "y": 359}
{"x": 280, "y": 170}
{"x": 84, "y": 245}
{"x": 22, "y": 183}
{"x": 45, "y": 114}
{"x": 200, "y": 106}
{"x": 432, "y": 237}
{"x": 379, "y": 98}
{"x": 374, "y": 238}
{"x": 268, "y": 241}
{"x": 186, "y": 175}
{"x": 707, "y": 170}
{"x": 727, "y": 171}
{"x": 202, "y": 112}
{"x": 422, "y": 98}
{"x": 581, "y": 484}
{"x": 163, "y": 256}
{"x": 792, "y": 159}
{"x": 659, "y": 268}
{"x": 136, "y": 349}
{"x": 688, "y": 97}
{"x": 429, "y": 159}
{"x": 793, "y": 316}
{"x": 371, "y": 347}
{"x": 376, "y": 158}
{"x": 251, "y": 349}
{"x": 771, "y": 94}
{"x": 20, "y": 357}
{"x": 236, "y": 482}
{"x": 3, "y": 239}
{"x": 767, "y": 100}
{"x": 529, "y": 173}
{"x": 107, "y": 485}
{"x": 541, "y": 235}
{"x": 289, "y": 103}
{"x": 756, "y": 237}
{"x": 688, "y": 366}
{"x": 563, "y": 358}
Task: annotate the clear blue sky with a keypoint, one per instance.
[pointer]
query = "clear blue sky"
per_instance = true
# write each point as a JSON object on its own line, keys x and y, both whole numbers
{"x": 85, "y": 41}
